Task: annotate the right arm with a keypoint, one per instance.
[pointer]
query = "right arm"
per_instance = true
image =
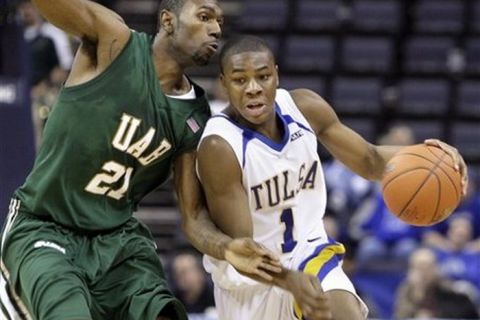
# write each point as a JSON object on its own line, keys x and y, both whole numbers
{"x": 98, "y": 27}
{"x": 229, "y": 209}
{"x": 226, "y": 198}
{"x": 243, "y": 253}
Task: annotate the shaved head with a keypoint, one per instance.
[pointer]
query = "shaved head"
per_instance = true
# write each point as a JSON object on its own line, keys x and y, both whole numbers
{"x": 241, "y": 44}
{"x": 174, "y": 6}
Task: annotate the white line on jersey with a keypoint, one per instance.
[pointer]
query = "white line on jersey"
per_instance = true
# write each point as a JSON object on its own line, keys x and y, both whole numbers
{"x": 40, "y": 244}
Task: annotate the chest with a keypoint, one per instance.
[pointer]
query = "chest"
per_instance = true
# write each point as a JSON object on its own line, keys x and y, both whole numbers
{"x": 276, "y": 178}
{"x": 145, "y": 141}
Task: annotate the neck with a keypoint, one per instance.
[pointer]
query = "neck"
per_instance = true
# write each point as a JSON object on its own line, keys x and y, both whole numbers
{"x": 272, "y": 128}
{"x": 169, "y": 68}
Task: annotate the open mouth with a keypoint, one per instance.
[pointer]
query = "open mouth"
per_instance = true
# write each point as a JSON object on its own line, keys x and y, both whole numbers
{"x": 255, "y": 105}
{"x": 213, "y": 47}
{"x": 256, "y": 109}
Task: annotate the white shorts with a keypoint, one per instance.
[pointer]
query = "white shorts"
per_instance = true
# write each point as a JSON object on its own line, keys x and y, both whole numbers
{"x": 240, "y": 298}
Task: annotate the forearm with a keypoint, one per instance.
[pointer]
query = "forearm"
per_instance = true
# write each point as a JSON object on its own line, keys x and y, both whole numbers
{"x": 197, "y": 225}
{"x": 360, "y": 156}
{"x": 72, "y": 16}
{"x": 204, "y": 235}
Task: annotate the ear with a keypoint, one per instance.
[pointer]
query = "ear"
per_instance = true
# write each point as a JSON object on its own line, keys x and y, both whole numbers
{"x": 167, "y": 21}
{"x": 223, "y": 81}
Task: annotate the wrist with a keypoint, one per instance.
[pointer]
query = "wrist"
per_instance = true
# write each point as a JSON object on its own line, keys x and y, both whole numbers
{"x": 284, "y": 278}
{"x": 225, "y": 248}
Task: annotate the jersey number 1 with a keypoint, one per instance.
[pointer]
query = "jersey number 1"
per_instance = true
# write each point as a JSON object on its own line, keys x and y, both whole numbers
{"x": 288, "y": 242}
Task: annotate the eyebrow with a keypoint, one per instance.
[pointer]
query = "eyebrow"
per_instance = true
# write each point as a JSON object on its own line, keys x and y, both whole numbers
{"x": 208, "y": 8}
{"x": 242, "y": 70}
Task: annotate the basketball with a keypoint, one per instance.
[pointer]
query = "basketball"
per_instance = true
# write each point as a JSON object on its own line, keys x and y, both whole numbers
{"x": 420, "y": 185}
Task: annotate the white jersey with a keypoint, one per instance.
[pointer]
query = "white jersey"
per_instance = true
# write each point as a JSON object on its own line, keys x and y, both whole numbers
{"x": 284, "y": 180}
{"x": 287, "y": 199}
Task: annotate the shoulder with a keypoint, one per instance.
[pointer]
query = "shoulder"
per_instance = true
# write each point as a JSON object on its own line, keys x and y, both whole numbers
{"x": 222, "y": 126}
{"x": 213, "y": 146}
{"x": 306, "y": 97}
{"x": 221, "y": 123}
{"x": 139, "y": 39}
{"x": 215, "y": 143}
{"x": 136, "y": 54}
{"x": 217, "y": 164}
{"x": 315, "y": 109}
{"x": 221, "y": 136}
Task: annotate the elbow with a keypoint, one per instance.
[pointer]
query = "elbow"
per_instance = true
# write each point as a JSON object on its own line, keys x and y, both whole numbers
{"x": 188, "y": 227}
{"x": 188, "y": 222}
{"x": 193, "y": 221}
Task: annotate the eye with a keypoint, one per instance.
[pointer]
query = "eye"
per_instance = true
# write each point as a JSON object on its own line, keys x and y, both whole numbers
{"x": 203, "y": 17}
{"x": 220, "y": 21}
{"x": 239, "y": 80}
{"x": 264, "y": 77}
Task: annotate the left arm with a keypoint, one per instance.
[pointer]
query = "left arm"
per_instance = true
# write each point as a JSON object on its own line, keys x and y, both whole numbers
{"x": 362, "y": 157}
{"x": 196, "y": 225}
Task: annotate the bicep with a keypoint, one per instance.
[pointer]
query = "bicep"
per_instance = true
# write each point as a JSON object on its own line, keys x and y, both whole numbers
{"x": 342, "y": 142}
{"x": 222, "y": 183}
{"x": 345, "y": 144}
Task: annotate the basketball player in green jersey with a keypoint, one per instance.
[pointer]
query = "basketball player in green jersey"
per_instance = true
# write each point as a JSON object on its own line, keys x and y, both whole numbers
{"x": 126, "y": 117}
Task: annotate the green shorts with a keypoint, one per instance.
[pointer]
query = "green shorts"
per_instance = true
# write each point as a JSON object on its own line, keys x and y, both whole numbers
{"x": 49, "y": 272}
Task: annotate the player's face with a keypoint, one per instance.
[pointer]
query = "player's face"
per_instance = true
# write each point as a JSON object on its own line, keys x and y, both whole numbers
{"x": 198, "y": 30}
{"x": 251, "y": 80}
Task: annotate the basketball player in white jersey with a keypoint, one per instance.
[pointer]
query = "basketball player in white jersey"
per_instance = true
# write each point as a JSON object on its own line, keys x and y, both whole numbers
{"x": 262, "y": 177}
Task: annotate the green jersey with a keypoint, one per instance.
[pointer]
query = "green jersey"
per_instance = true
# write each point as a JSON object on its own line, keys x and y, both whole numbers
{"x": 109, "y": 142}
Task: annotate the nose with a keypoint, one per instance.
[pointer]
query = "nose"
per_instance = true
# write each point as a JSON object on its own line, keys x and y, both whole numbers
{"x": 253, "y": 88}
{"x": 215, "y": 30}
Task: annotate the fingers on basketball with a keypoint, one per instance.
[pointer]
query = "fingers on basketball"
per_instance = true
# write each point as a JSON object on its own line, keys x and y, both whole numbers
{"x": 421, "y": 186}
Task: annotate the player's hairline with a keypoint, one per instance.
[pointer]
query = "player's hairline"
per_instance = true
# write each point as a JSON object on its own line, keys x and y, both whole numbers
{"x": 243, "y": 43}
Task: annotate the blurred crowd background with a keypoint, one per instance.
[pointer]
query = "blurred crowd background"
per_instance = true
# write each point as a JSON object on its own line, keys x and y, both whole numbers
{"x": 396, "y": 71}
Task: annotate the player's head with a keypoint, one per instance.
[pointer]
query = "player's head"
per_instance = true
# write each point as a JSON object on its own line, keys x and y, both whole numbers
{"x": 174, "y": 6}
{"x": 249, "y": 75}
{"x": 193, "y": 28}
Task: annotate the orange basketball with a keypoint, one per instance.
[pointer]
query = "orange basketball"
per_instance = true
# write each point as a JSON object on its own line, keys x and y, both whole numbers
{"x": 420, "y": 185}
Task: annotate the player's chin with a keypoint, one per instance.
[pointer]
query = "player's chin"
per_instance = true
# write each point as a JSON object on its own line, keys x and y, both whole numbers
{"x": 256, "y": 120}
{"x": 202, "y": 60}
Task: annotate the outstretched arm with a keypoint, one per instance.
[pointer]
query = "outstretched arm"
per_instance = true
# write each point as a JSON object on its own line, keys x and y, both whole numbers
{"x": 228, "y": 205}
{"x": 81, "y": 18}
{"x": 243, "y": 253}
{"x": 364, "y": 158}
{"x": 346, "y": 145}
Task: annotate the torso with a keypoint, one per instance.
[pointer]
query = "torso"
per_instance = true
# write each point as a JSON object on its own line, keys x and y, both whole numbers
{"x": 284, "y": 180}
{"x": 109, "y": 142}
